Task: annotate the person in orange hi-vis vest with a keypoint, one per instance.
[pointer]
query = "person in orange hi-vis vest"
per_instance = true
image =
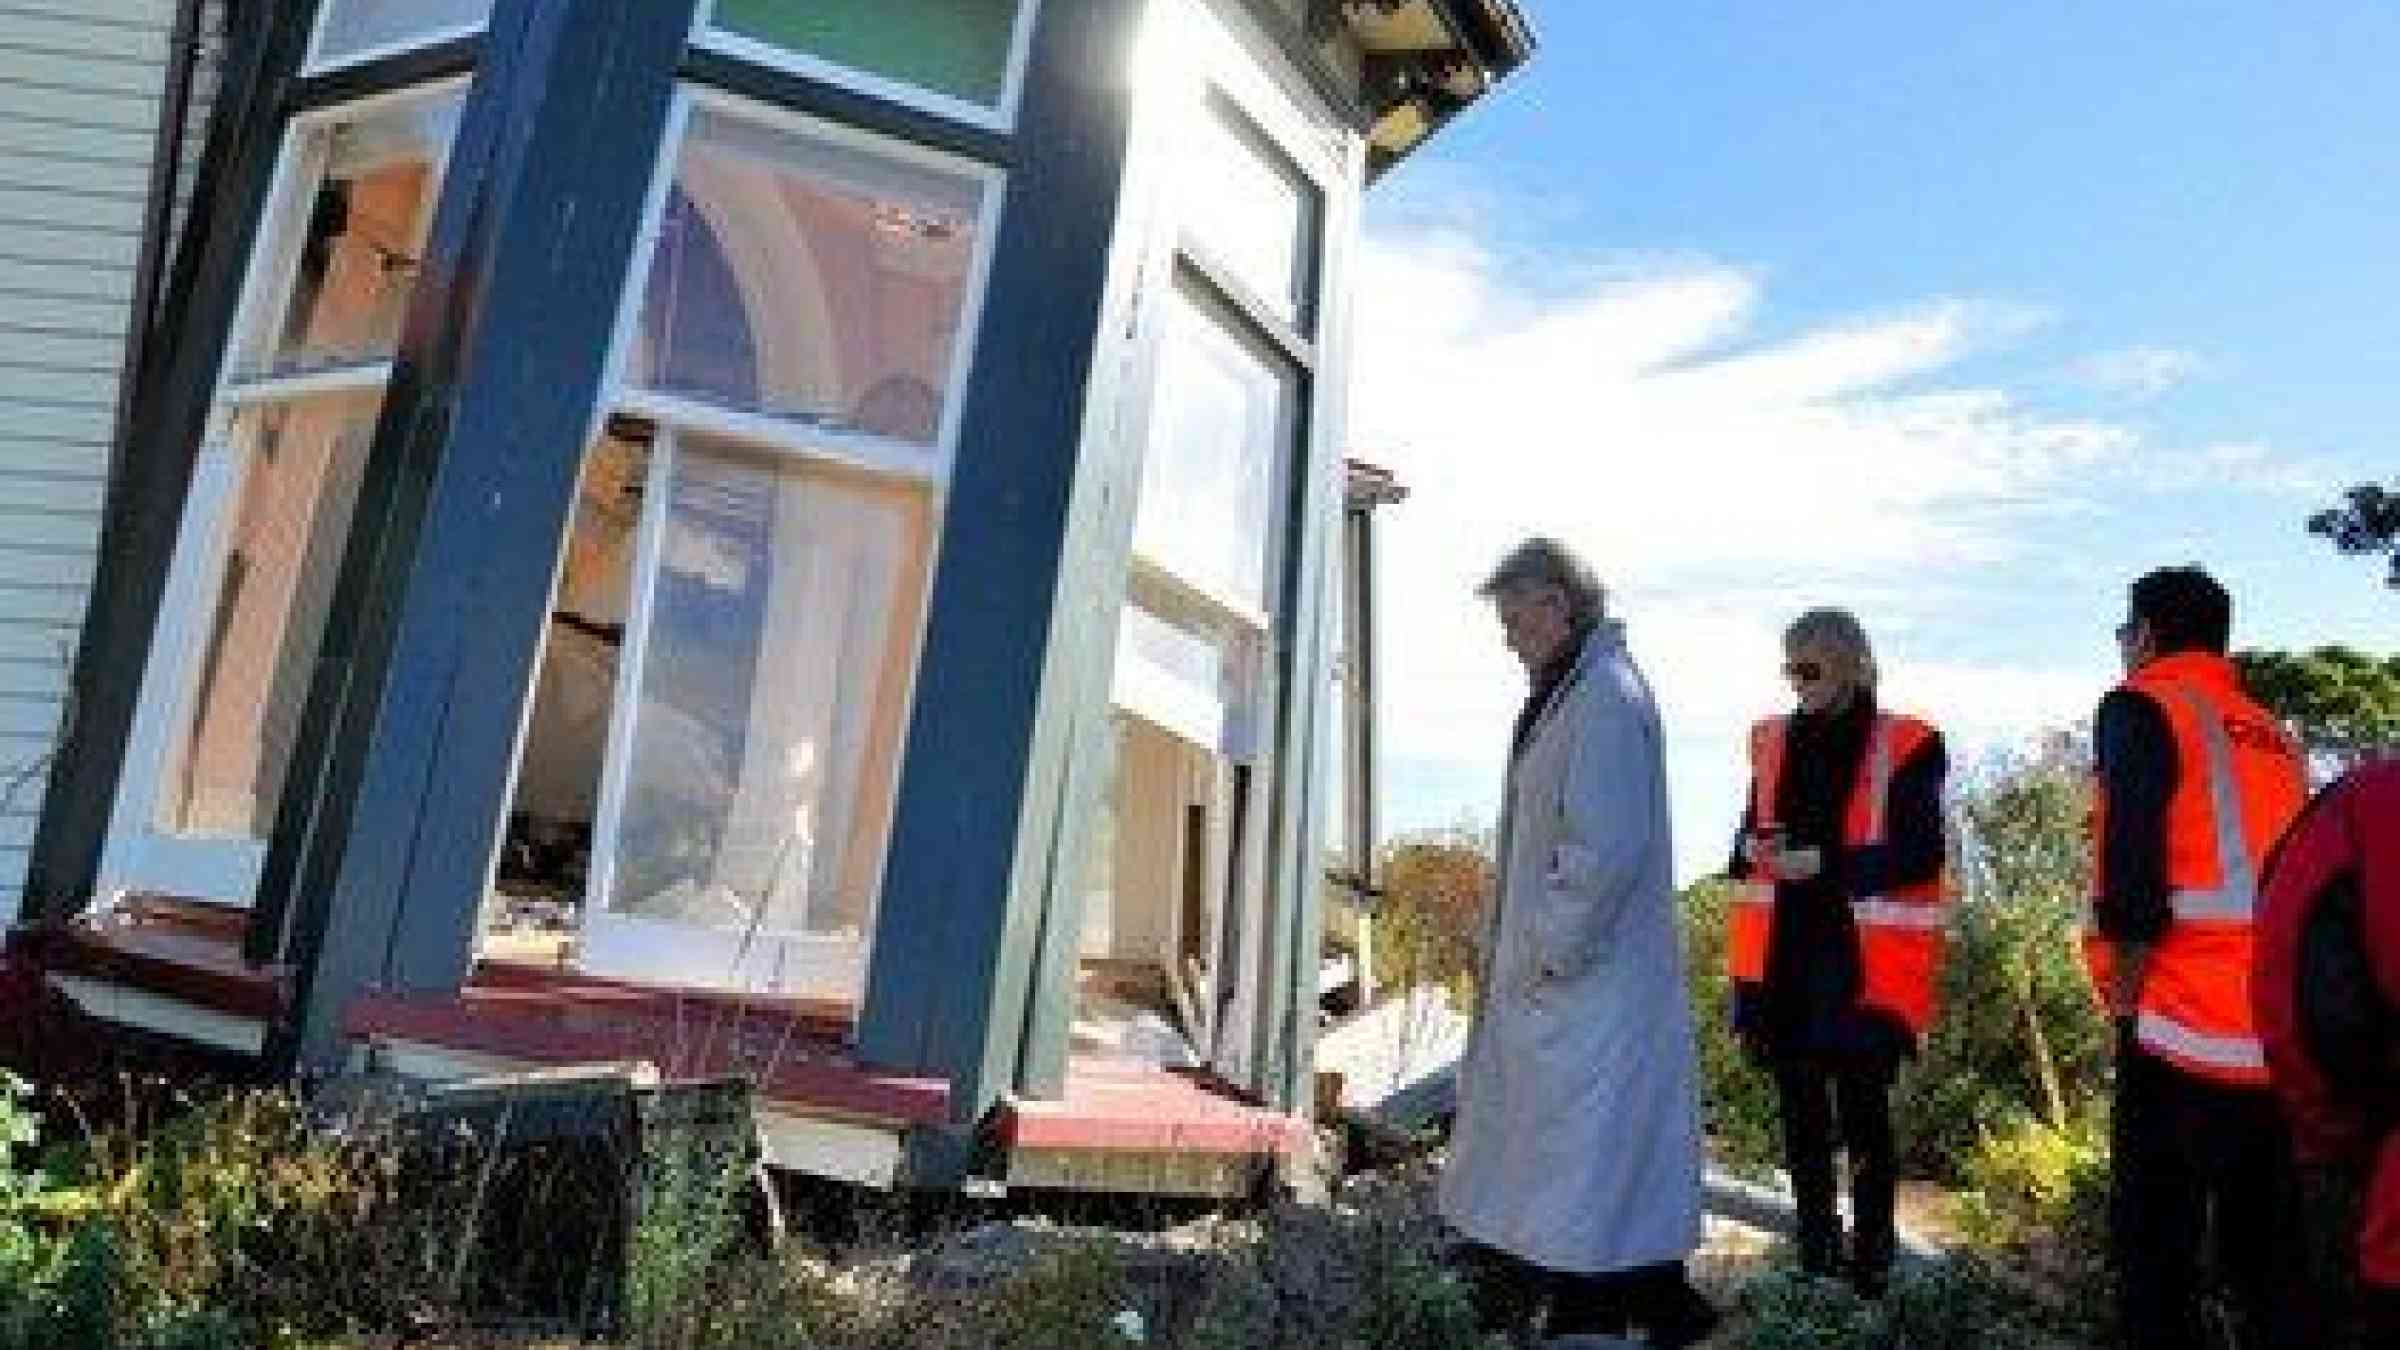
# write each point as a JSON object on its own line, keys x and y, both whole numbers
{"x": 2195, "y": 784}
{"x": 1834, "y": 939}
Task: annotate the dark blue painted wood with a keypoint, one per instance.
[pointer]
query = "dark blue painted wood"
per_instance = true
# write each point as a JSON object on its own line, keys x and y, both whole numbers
{"x": 417, "y": 65}
{"x": 471, "y": 479}
{"x": 155, "y": 451}
{"x": 971, "y": 836}
{"x": 830, "y": 101}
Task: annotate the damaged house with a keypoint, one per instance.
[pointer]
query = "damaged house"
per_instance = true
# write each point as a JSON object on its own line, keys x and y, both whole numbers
{"x": 803, "y": 539}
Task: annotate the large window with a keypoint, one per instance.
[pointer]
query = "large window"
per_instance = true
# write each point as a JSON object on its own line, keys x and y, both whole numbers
{"x": 960, "y": 57}
{"x": 743, "y": 588}
{"x": 819, "y": 280}
{"x": 250, "y": 588}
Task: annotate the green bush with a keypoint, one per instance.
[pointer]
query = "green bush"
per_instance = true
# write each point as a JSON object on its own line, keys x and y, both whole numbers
{"x": 2018, "y": 1036}
{"x": 1738, "y": 1099}
{"x": 1949, "y": 1305}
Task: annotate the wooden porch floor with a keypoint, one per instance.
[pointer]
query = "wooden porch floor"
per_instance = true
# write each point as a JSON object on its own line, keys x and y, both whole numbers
{"x": 1121, "y": 1124}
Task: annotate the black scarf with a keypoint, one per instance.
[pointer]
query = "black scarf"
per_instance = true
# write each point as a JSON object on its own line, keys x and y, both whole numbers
{"x": 1812, "y": 975}
{"x": 1821, "y": 758}
{"x": 1545, "y": 683}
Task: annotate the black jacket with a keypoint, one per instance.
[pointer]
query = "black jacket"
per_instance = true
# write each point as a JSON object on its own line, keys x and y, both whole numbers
{"x": 1808, "y": 1004}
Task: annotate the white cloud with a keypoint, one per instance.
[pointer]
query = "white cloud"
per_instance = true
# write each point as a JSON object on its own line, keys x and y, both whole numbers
{"x": 2239, "y": 467}
{"x": 1720, "y": 483}
{"x": 2138, "y": 372}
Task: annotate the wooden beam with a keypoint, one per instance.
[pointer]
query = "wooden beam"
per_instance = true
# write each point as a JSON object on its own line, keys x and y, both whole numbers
{"x": 408, "y": 740}
{"x": 974, "y": 837}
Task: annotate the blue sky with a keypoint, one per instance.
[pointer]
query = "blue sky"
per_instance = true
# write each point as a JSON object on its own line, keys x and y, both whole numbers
{"x": 1958, "y": 315}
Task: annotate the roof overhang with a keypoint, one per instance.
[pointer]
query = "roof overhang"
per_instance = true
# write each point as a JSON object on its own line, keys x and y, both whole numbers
{"x": 1424, "y": 61}
{"x": 1399, "y": 69}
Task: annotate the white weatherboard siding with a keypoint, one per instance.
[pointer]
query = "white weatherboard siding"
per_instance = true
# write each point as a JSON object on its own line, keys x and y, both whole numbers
{"x": 81, "y": 86}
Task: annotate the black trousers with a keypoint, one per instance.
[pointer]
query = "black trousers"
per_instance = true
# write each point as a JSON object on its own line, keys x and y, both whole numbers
{"x": 1852, "y": 1100}
{"x": 1659, "y": 1298}
{"x": 2201, "y": 1170}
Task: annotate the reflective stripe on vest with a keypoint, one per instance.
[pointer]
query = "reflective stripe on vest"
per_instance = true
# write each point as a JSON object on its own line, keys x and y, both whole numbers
{"x": 2240, "y": 1057}
{"x": 2235, "y": 898}
{"x": 1924, "y": 914}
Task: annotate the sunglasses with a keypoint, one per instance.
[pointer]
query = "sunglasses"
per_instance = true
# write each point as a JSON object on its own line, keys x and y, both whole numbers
{"x": 1806, "y": 672}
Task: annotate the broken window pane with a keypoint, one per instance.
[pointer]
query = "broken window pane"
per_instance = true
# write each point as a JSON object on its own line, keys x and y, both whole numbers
{"x": 775, "y": 671}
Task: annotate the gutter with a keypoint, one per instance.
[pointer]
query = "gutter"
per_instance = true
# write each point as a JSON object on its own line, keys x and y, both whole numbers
{"x": 1496, "y": 31}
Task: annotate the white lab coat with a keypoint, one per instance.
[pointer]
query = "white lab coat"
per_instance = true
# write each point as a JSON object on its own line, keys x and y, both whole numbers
{"x": 1577, "y": 1144}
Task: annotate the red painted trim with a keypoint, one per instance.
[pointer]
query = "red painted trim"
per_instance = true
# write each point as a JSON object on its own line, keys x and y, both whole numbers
{"x": 1132, "y": 1108}
{"x": 173, "y": 948}
{"x": 545, "y": 1018}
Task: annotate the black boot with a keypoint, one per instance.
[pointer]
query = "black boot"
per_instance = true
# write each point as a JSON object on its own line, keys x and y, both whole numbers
{"x": 1674, "y": 1313}
{"x": 1870, "y": 1269}
{"x": 1507, "y": 1292}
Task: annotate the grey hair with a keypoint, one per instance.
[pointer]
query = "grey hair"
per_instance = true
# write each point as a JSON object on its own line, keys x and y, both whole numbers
{"x": 1840, "y": 629}
{"x": 1543, "y": 561}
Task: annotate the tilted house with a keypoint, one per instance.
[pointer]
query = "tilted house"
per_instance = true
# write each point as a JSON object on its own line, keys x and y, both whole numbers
{"x": 791, "y": 538}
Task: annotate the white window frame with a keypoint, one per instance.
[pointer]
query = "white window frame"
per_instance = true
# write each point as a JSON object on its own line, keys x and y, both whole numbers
{"x": 1195, "y": 53}
{"x": 659, "y": 951}
{"x": 139, "y": 853}
{"x": 315, "y": 63}
{"x": 1000, "y": 116}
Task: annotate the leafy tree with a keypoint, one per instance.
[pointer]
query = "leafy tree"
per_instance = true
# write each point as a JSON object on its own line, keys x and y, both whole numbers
{"x": 1427, "y": 924}
{"x": 2342, "y": 704}
{"x": 2018, "y": 1034}
{"x": 2367, "y": 522}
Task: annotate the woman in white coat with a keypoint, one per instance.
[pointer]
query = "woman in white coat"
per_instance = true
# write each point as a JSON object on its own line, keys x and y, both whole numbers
{"x": 1575, "y": 1160}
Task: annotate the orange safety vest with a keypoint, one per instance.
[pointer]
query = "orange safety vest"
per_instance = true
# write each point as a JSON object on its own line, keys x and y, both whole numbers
{"x": 1900, "y": 932}
{"x": 2238, "y": 785}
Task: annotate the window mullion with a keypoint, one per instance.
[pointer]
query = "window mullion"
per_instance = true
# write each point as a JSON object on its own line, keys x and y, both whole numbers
{"x": 616, "y": 764}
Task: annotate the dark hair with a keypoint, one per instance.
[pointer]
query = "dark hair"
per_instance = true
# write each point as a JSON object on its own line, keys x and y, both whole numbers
{"x": 1542, "y": 561}
{"x": 2186, "y": 610}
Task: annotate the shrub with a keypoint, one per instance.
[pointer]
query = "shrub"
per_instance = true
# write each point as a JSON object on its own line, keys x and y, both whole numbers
{"x": 1945, "y": 1306}
{"x": 2018, "y": 1035}
{"x": 2036, "y": 1200}
{"x": 1428, "y": 923}
{"x": 1786, "y": 1310}
{"x": 1738, "y": 1098}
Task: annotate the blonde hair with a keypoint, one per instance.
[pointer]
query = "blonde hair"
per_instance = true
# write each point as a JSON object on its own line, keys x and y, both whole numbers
{"x": 1840, "y": 630}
